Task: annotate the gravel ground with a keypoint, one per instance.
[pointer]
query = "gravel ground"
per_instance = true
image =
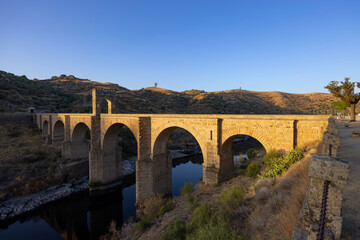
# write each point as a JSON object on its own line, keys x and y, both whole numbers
{"x": 350, "y": 150}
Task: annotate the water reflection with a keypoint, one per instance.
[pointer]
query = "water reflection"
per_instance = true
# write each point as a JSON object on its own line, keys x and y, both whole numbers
{"x": 81, "y": 217}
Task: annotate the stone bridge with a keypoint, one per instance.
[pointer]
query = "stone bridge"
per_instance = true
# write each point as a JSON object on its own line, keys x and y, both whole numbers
{"x": 214, "y": 134}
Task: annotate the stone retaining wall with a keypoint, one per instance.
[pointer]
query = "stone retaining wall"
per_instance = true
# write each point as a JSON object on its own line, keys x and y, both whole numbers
{"x": 324, "y": 168}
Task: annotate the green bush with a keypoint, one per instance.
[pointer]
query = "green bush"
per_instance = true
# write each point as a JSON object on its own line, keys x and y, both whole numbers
{"x": 167, "y": 207}
{"x": 193, "y": 203}
{"x": 176, "y": 230}
{"x": 200, "y": 216}
{"x": 2, "y": 110}
{"x": 143, "y": 223}
{"x": 218, "y": 227}
{"x": 271, "y": 156}
{"x": 279, "y": 165}
{"x": 251, "y": 153}
{"x": 233, "y": 197}
{"x": 253, "y": 169}
{"x": 187, "y": 189}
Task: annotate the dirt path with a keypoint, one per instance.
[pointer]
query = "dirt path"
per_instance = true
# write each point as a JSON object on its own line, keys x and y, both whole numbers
{"x": 350, "y": 150}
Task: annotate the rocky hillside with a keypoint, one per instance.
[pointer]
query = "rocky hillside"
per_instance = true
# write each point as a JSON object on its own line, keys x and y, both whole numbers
{"x": 72, "y": 94}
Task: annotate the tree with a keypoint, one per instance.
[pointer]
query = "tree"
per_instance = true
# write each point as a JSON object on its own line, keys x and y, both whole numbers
{"x": 345, "y": 91}
{"x": 340, "y": 106}
{"x": 156, "y": 84}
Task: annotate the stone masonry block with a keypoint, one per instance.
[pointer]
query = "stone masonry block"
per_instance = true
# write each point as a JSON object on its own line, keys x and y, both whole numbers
{"x": 334, "y": 197}
{"x": 328, "y": 168}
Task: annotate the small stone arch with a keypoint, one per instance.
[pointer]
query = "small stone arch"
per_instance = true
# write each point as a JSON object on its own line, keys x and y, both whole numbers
{"x": 80, "y": 144}
{"x": 106, "y": 106}
{"x": 45, "y": 128}
{"x": 112, "y": 153}
{"x": 58, "y": 133}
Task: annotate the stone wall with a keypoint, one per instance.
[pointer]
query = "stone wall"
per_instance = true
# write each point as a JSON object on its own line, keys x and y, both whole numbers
{"x": 336, "y": 172}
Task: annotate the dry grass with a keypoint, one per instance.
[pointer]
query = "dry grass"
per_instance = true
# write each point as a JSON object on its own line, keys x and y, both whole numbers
{"x": 27, "y": 164}
{"x": 150, "y": 207}
{"x": 276, "y": 207}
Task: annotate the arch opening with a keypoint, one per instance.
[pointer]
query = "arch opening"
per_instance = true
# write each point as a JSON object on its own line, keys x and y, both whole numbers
{"x": 119, "y": 152}
{"x": 177, "y": 158}
{"x": 45, "y": 128}
{"x": 237, "y": 152}
{"x": 105, "y": 106}
{"x": 80, "y": 143}
{"x": 59, "y": 130}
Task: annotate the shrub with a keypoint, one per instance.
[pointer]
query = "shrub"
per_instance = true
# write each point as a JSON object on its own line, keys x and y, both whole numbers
{"x": 2, "y": 110}
{"x": 187, "y": 189}
{"x": 271, "y": 156}
{"x": 150, "y": 208}
{"x": 279, "y": 165}
{"x": 253, "y": 169}
{"x": 167, "y": 207}
{"x": 217, "y": 228}
{"x": 200, "y": 216}
{"x": 176, "y": 230}
{"x": 143, "y": 223}
{"x": 232, "y": 198}
{"x": 251, "y": 153}
{"x": 193, "y": 203}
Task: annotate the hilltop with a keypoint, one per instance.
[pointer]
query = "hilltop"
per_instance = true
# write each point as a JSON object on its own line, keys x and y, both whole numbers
{"x": 72, "y": 94}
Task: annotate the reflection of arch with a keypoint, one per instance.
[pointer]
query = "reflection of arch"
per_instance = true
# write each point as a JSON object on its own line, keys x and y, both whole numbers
{"x": 45, "y": 128}
{"x": 112, "y": 153}
{"x": 58, "y": 137}
{"x": 162, "y": 163}
{"x": 80, "y": 145}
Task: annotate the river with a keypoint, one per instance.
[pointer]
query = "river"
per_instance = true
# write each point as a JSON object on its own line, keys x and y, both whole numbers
{"x": 81, "y": 217}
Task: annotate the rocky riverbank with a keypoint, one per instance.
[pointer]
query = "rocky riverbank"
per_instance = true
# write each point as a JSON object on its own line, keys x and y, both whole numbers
{"x": 20, "y": 205}
{"x": 17, "y": 206}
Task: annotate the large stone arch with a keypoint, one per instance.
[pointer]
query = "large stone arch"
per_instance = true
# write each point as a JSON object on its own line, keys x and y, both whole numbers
{"x": 58, "y": 133}
{"x": 165, "y": 131}
{"x": 80, "y": 146}
{"x": 112, "y": 153}
{"x": 227, "y": 155}
{"x": 162, "y": 162}
{"x": 130, "y": 122}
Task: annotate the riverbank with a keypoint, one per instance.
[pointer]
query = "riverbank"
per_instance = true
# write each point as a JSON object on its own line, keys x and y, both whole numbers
{"x": 20, "y": 205}
{"x": 263, "y": 209}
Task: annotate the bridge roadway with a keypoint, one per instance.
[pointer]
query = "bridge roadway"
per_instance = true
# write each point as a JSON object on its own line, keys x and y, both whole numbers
{"x": 214, "y": 134}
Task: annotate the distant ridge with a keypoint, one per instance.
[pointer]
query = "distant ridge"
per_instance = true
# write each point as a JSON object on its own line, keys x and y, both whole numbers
{"x": 72, "y": 94}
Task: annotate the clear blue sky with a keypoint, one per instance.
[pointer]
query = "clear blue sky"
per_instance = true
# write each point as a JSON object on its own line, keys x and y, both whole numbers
{"x": 292, "y": 45}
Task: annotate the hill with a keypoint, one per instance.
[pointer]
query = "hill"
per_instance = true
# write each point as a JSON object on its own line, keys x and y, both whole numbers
{"x": 72, "y": 94}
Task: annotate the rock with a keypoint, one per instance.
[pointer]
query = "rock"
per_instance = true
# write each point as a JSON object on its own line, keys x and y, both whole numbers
{"x": 20, "y": 205}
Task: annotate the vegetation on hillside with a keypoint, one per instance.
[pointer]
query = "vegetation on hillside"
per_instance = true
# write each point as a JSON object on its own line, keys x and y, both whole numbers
{"x": 241, "y": 208}
{"x": 72, "y": 94}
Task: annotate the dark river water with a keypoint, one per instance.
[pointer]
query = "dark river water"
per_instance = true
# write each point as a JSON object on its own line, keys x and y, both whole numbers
{"x": 80, "y": 217}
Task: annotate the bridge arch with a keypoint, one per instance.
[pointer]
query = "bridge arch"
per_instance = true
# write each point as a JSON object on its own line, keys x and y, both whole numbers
{"x": 112, "y": 152}
{"x": 80, "y": 142}
{"x": 227, "y": 151}
{"x": 58, "y": 133}
{"x": 45, "y": 128}
{"x": 262, "y": 137}
{"x": 162, "y": 162}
